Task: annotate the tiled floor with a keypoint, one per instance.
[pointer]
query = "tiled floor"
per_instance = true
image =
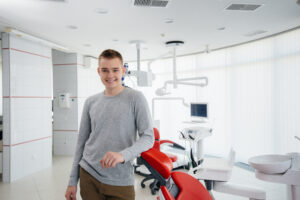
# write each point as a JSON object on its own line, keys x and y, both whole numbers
{"x": 50, "y": 184}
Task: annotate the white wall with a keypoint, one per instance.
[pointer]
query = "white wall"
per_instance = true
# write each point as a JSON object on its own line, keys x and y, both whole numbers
{"x": 71, "y": 75}
{"x": 65, "y": 120}
{"x": 89, "y": 82}
{"x": 1, "y": 101}
{"x": 27, "y": 93}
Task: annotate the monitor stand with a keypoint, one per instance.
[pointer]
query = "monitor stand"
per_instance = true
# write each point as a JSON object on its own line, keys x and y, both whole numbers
{"x": 199, "y": 121}
{"x": 196, "y": 121}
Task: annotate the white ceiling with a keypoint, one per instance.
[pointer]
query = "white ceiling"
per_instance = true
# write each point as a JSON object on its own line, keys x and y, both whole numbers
{"x": 195, "y": 22}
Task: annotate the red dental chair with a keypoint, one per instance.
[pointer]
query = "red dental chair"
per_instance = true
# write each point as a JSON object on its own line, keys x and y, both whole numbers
{"x": 174, "y": 185}
{"x": 157, "y": 145}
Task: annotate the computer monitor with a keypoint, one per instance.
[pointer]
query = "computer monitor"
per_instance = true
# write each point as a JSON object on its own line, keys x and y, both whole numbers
{"x": 199, "y": 110}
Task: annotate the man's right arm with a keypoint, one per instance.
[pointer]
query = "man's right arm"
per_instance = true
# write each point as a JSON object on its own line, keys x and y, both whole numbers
{"x": 84, "y": 133}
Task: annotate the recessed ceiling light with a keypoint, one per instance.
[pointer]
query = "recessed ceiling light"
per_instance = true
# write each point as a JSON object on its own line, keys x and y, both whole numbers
{"x": 101, "y": 11}
{"x": 169, "y": 21}
{"x": 72, "y": 27}
{"x": 87, "y": 45}
{"x": 115, "y": 40}
{"x": 162, "y": 35}
{"x": 221, "y": 28}
{"x": 256, "y": 32}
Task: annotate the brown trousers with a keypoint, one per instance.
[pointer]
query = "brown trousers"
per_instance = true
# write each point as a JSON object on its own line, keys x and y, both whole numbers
{"x": 92, "y": 189}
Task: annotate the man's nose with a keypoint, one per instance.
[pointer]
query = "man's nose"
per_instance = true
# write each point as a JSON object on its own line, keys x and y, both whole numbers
{"x": 110, "y": 73}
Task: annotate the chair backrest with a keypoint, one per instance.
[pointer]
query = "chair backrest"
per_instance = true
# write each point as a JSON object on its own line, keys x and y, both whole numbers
{"x": 159, "y": 162}
{"x": 157, "y": 139}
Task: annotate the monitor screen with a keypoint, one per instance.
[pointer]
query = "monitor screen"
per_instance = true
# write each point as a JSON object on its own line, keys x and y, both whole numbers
{"x": 199, "y": 110}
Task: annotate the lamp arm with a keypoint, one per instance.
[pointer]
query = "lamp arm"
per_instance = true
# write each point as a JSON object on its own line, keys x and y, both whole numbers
{"x": 194, "y": 78}
{"x": 184, "y": 81}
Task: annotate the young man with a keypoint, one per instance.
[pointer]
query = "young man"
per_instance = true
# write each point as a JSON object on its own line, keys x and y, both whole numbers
{"x": 107, "y": 141}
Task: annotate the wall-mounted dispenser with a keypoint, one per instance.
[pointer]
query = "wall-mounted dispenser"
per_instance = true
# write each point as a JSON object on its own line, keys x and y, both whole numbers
{"x": 64, "y": 100}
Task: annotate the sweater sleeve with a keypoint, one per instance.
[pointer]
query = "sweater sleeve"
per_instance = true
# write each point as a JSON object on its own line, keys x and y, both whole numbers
{"x": 144, "y": 127}
{"x": 84, "y": 132}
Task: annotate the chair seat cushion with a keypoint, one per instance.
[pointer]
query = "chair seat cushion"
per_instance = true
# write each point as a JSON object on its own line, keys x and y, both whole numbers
{"x": 189, "y": 187}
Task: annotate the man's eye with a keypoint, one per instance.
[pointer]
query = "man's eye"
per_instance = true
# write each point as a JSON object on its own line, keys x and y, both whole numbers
{"x": 104, "y": 70}
{"x": 116, "y": 70}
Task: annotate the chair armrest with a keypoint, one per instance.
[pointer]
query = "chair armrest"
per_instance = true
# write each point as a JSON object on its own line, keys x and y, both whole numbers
{"x": 166, "y": 141}
{"x": 174, "y": 144}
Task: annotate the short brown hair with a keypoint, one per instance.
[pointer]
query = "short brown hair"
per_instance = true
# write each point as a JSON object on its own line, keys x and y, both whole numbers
{"x": 110, "y": 54}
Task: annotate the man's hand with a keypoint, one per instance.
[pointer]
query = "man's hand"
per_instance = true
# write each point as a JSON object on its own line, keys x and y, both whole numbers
{"x": 110, "y": 159}
{"x": 71, "y": 193}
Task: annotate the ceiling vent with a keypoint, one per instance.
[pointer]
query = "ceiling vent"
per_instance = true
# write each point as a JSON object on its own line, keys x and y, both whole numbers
{"x": 257, "y": 32}
{"x": 243, "y": 7}
{"x": 151, "y": 3}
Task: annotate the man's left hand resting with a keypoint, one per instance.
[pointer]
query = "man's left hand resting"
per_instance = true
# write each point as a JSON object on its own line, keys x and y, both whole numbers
{"x": 110, "y": 159}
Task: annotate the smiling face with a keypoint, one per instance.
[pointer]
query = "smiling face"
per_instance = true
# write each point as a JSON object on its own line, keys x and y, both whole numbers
{"x": 111, "y": 71}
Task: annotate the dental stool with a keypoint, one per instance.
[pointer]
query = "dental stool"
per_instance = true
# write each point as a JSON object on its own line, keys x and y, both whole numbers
{"x": 173, "y": 185}
{"x": 157, "y": 145}
{"x": 216, "y": 172}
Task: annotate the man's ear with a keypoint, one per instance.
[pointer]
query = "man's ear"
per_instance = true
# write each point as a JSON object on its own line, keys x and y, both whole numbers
{"x": 123, "y": 70}
{"x": 98, "y": 70}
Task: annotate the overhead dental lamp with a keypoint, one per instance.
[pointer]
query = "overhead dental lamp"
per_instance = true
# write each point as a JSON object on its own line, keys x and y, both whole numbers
{"x": 184, "y": 81}
{"x": 161, "y": 91}
{"x": 174, "y": 43}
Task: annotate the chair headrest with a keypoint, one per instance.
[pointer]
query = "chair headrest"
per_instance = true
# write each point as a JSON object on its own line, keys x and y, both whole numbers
{"x": 159, "y": 161}
{"x": 156, "y": 134}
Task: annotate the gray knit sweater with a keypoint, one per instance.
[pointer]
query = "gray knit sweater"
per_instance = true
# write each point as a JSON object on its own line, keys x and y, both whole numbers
{"x": 111, "y": 124}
